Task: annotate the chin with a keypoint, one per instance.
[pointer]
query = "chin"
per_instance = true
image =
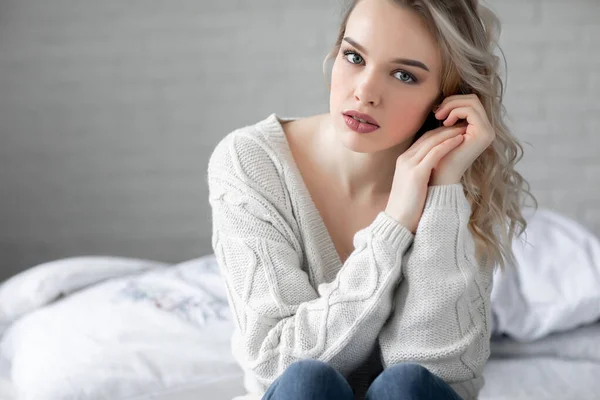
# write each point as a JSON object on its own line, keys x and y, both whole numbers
{"x": 353, "y": 141}
{"x": 356, "y": 142}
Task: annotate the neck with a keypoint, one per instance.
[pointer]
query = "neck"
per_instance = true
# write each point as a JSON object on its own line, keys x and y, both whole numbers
{"x": 360, "y": 175}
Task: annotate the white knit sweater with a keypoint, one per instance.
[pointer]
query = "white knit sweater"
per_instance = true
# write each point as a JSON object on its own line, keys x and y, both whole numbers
{"x": 399, "y": 297}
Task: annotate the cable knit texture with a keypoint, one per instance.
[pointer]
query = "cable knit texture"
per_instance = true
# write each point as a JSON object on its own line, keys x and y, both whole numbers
{"x": 398, "y": 297}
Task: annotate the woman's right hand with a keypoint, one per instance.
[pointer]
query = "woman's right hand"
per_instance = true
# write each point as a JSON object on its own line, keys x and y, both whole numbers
{"x": 413, "y": 170}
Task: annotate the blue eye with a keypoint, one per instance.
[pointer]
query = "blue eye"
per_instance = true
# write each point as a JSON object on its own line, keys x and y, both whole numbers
{"x": 350, "y": 52}
{"x": 406, "y": 77}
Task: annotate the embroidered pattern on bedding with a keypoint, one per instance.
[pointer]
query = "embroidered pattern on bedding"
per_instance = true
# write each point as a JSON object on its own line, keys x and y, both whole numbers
{"x": 198, "y": 310}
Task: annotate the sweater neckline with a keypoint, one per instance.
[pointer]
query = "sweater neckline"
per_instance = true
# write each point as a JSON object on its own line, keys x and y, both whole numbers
{"x": 322, "y": 237}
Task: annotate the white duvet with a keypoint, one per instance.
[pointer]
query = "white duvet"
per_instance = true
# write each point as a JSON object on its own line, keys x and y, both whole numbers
{"x": 155, "y": 334}
{"x": 116, "y": 328}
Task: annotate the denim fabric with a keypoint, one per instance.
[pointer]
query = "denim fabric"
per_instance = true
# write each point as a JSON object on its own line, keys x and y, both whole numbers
{"x": 316, "y": 380}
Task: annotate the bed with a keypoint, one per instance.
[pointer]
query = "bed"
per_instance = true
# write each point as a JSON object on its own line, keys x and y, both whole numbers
{"x": 187, "y": 301}
{"x": 132, "y": 329}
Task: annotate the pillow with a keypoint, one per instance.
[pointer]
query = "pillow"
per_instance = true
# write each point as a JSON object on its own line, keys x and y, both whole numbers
{"x": 556, "y": 285}
{"x": 46, "y": 282}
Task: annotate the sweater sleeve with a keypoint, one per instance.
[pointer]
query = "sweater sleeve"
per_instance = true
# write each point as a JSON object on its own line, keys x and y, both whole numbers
{"x": 441, "y": 310}
{"x": 280, "y": 316}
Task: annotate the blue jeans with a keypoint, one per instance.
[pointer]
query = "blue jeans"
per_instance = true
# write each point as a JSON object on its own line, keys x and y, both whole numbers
{"x": 315, "y": 380}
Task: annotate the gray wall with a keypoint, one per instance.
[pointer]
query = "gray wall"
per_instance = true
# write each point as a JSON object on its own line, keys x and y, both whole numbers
{"x": 109, "y": 111}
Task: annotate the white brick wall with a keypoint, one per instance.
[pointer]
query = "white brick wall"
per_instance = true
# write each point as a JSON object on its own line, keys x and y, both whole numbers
{"x": 553, "y": 53}
{"x": 110, "y": 109}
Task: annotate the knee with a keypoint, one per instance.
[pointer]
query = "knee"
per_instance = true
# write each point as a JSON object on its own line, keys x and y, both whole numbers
{"x": 310, "y": 369}
{"x": 315, "y": 380}
{"x": 410, "y": 372}
{"x": 412, "y": 379}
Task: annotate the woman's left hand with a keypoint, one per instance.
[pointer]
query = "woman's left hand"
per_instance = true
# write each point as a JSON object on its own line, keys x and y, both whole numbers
{"x": 477, "y": 138}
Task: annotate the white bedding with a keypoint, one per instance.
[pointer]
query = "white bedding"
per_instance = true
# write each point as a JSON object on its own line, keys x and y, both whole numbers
{"x": 516, "y": 371}
{"x": 164, "y": 334}
{"x": 7, "y": 390}
{"x": 541, "y": 378}
{"x": 560, "y": 366}
{"x": 158, "y": 334}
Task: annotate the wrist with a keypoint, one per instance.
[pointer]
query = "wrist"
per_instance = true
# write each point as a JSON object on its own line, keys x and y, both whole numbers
{"x": 439, "y": 180}
{"x": 405, "y": 221}
{"x": 445, "y": 182}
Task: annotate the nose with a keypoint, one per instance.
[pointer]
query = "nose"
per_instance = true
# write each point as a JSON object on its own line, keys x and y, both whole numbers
{"x": 366, "y": 91}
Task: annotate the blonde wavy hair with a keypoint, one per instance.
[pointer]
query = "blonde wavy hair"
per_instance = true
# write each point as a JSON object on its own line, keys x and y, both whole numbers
{"x": 467, "y": 33}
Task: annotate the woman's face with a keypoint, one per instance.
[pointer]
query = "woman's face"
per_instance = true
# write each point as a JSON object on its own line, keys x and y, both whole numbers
{"x": 368, "y": 76}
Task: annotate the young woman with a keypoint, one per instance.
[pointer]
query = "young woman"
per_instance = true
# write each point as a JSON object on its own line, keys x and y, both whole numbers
{"x": 358, "y": 246}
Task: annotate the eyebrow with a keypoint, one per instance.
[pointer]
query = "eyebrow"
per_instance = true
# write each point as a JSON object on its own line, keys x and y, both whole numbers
{"x": 405, "y": 61}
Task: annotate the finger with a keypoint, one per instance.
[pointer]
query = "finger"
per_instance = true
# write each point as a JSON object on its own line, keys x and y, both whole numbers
{"x": 438, "y": 152}
{"x": 460, "y": 97}
{"x": 436, "y": 136}
{"x": 447, "y": 105}
{"x": 434, "y": 132}
{"x": 437, "y": 131}
{"x": 467, "y": 113}
{"x": 428, "y": 144}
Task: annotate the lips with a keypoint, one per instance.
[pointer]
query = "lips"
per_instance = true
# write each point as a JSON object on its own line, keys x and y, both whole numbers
{"x": 365, "y": 117}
